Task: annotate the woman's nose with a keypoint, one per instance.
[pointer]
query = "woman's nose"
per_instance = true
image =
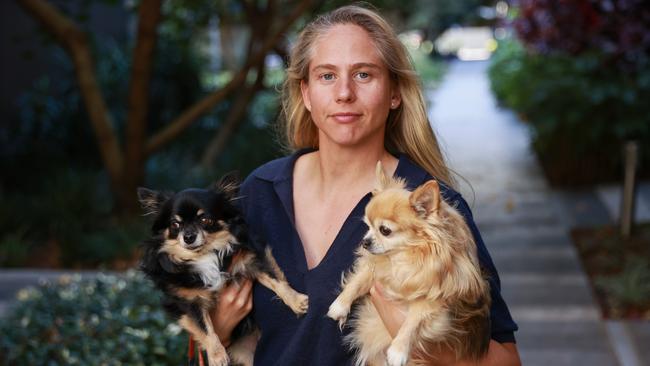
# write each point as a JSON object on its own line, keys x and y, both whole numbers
{"x": 345, "y": 90}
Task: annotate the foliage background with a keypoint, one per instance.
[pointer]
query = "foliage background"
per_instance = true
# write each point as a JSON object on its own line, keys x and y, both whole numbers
{"x": 58, "y": 209}
{"x": 579, "y": 73}
{"x": 57, "y": 196}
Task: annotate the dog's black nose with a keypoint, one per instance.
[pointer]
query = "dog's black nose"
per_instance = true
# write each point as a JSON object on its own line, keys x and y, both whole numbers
{"x": 366, "y": 243}
{"x": 189, "y": 238}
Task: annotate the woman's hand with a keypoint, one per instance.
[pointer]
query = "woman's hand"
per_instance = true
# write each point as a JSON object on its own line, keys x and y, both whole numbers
{"x": 393, "y": 315}
{"x": 390, "y": 312}
{"x": 234, "y": 302}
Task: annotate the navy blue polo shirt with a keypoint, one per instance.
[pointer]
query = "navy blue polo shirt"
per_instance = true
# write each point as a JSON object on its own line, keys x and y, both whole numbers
{"x": 314, "y": 339}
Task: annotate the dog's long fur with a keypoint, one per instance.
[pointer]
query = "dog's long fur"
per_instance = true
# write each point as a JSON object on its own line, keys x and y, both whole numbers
{"x": 421, "y": 252}
{"x": 199, "y": 244}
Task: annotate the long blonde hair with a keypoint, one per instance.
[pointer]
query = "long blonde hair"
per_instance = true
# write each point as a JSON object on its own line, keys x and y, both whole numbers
{"x": 408, "y": 130}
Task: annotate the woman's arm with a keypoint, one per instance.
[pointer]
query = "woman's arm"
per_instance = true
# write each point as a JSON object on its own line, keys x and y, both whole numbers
{"x": 392, "y": 314}
{"x": 234, "y": 302}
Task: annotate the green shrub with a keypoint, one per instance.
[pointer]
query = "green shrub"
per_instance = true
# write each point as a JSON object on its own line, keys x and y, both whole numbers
{"x": 630, "y": 287}
{"x": 109, "y": 320}
{"x": 430, "y": 70}
{"x": 580, "y": 111}
{"x": 72, "y": 213}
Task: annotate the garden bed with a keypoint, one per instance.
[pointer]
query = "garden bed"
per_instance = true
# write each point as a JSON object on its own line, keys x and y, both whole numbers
{"x": 618, "y": 269}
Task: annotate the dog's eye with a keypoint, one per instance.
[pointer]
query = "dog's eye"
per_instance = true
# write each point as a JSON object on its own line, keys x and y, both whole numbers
{"x": 175, "y": 225}
{"x": 385, "y": 231}
{"x": 206, "y": 221}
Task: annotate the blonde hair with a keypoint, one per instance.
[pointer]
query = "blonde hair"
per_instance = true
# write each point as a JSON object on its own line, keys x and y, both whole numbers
{"x": 408, "y": 130}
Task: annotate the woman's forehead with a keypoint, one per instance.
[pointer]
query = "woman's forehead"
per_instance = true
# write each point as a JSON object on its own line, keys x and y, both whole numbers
{"x": 345, "y": 46}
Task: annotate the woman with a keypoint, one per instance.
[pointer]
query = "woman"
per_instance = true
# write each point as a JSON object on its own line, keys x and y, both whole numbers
{"x": 351, "y": 98}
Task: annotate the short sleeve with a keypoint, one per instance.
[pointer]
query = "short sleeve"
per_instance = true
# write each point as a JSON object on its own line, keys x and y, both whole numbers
{"x": 502, "y": 324}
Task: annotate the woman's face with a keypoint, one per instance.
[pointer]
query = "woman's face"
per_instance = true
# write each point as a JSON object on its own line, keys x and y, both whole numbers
{"x": 348, "y": 91}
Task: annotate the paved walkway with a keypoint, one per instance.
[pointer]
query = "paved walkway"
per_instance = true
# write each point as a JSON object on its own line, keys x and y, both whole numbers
{"x": 525, "y": 226}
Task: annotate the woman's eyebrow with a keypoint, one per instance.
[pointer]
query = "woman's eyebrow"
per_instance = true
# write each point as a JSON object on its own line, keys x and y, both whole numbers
{"x": 355, "y": 66}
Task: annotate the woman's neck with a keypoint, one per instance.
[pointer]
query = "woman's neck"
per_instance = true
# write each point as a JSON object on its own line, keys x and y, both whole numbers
{"x": 349, "y": 168}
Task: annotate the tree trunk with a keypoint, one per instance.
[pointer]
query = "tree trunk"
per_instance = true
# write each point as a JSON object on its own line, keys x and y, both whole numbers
{"x": 126, "y": 168}
{"x": 74, "y": 42}
{"x": 138, "y": 103}
{"x": 261, "y": 42}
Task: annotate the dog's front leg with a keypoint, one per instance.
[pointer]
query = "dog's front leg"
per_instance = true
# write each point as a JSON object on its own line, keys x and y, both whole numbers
{"x": 355, "y": 285}
{"x": 400, "y": 348}
{"x": 217, "y": 355}
{"x": 199, "y": 325}
{"x": 295, "y": 300}
{"x": 280, "y": 286}
{"x": 202, "y": 331}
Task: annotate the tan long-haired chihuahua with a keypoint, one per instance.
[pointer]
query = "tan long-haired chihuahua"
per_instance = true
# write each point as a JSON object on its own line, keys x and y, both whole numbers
{"x": 421, "y": 252}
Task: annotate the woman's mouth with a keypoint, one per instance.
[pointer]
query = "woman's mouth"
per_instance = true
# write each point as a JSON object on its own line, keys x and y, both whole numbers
{"x": 346, "y": 117}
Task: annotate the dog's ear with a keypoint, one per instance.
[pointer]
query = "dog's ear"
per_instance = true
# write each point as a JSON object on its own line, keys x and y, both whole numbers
{"x": 426, "y": 198}
{"x": 382, "y": 181}
{"x": 228, "y": 184}
{"x": 151, "y": 200}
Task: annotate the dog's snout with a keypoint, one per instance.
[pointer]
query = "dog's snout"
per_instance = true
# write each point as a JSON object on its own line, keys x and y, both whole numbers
{"x": 366, "y": 243}
{"x": 189, "y": 237}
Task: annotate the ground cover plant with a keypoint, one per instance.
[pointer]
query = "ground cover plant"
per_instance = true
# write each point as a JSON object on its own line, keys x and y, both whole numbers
{"x": 105, "y": 320}
{"x": 619, "y": 269}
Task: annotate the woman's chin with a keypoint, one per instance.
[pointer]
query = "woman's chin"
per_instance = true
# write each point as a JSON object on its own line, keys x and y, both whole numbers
{"x": 351, "y": 138}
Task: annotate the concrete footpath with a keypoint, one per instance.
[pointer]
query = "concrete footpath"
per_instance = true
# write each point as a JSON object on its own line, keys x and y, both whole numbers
{"x": 526, "y": 225}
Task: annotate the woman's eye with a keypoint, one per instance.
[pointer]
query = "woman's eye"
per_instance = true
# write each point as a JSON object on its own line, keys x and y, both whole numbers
{"x": 363, "y": 75}
{"x": 385, "y": 231}
{"x": 327, "y": 77}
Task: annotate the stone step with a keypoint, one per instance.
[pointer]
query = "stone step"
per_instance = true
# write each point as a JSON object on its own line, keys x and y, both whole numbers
{"x": 553, "y": 291}
{"x": 554, "y": 357}
{"x": 573, "y": 336}
{"x": 541, "y": 265}
{"x": 565, "y": 335}
{"x": 581, "y": 209}
{"x": 531, "y": 231}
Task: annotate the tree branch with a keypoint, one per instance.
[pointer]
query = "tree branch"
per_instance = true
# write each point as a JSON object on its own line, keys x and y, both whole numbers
{"x": 182, "y": 122}
{"x": 74, "y": 41}
{"x": 234, "y": 119}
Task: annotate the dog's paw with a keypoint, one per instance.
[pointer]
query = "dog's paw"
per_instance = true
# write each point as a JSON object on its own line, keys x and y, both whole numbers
{"x": 218, "y": 358}
{"x": 300, "y": 304}
{"x": 338, "y": 312}
{"x": 396, "y": 356}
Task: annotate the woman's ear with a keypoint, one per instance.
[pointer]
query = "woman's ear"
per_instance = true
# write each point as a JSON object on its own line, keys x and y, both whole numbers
{"x": 304, "y": 89}
{"x": 395, "y": 101}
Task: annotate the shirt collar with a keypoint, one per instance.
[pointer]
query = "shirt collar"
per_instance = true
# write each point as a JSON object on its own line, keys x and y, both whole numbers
{"x": 282, "y": 169}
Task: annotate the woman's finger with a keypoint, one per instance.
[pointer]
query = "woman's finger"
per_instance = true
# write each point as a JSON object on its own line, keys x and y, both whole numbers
{"x": 229, "y": 294}
{"x": 246, "y": 288}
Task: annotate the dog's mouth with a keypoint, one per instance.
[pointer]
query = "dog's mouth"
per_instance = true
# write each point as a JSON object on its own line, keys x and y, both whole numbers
{"x": 193, "y": 246}
{"x": 376, "y": 251}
